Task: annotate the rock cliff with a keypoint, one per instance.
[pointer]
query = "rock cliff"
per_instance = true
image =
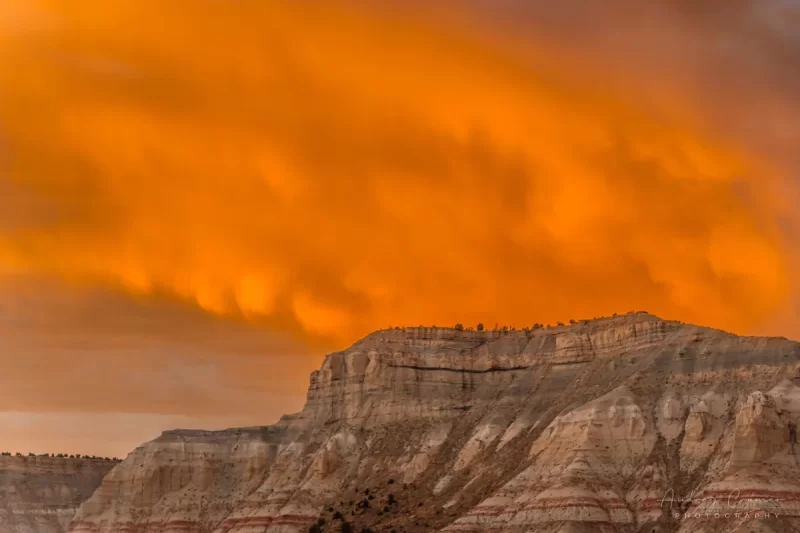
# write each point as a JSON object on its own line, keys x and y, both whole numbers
{"x": 622, "y": 424}
{"x": 41, "y": 494}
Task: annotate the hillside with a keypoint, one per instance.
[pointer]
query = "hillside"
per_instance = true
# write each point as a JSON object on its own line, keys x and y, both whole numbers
{"x": 40, "y": 494}
{"x": 604, "y": 425}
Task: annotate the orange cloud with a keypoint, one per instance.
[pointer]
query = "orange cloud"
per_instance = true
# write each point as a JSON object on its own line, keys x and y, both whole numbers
{"x": 328, "y": 169}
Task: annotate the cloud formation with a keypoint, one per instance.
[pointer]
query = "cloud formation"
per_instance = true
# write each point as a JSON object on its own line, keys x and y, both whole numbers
{"x": 97, "y": 372}
{"x": 329, "y": 168}
{"x": 78, "y": 350}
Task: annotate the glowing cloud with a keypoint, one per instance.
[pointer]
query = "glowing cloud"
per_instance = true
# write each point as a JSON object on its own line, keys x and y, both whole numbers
{"x": 330, "y": 169}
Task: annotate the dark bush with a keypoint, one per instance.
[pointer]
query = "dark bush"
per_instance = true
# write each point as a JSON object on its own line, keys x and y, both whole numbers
{"x": 480, "y": 326}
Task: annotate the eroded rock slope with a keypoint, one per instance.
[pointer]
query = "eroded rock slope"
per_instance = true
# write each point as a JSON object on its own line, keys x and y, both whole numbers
{"x": 624, "y": 424}
{"x": 41, "y": 494}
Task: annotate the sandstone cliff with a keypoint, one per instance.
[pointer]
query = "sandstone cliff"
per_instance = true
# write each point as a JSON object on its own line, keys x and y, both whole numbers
{"x": 41, "y": 494}
{"x": 624, "y": 424}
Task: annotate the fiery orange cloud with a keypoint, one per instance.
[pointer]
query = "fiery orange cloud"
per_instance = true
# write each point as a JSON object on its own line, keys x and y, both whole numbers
{"x": 328, "y": 169}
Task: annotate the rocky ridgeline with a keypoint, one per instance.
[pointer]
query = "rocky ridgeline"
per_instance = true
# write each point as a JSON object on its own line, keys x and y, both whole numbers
{"x": 624, "y": 424}
{"x": 40, "y": 493}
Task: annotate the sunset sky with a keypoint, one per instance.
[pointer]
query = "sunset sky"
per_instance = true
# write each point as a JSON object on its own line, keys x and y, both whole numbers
{"x": 199, "y": 199}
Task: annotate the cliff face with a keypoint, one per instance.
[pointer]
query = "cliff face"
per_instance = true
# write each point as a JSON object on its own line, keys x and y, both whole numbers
{"x": 629, "y": 423}
{"x": 41, "y": 494}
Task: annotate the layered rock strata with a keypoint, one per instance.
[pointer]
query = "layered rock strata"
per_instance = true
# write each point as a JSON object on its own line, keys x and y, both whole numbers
{"x": 41, "y": 494}
{"x": 626, "y": 424}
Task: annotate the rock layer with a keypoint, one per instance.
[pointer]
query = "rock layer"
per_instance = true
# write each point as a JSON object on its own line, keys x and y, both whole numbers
{"x": 41, "y": 494}
{"x": 629, "y": 423}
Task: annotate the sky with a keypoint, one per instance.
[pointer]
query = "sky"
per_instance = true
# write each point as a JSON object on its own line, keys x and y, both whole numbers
{"x": 198, "y": 200}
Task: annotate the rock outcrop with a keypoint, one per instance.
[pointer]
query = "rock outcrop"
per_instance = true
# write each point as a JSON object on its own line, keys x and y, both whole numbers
{"x": 623, "y": 424}
{"x": 41, "y": 494}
